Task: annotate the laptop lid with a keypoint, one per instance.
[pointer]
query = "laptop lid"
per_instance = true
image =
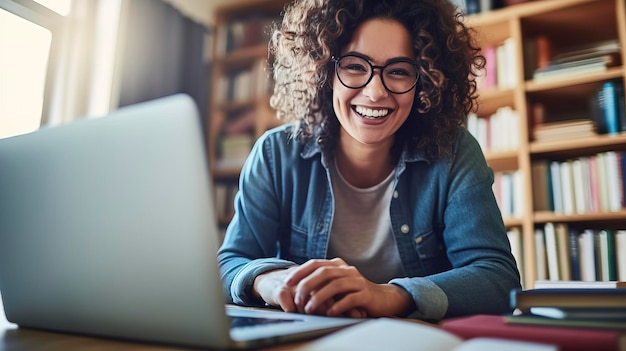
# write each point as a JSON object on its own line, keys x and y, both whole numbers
{"x": 108, "y": 228}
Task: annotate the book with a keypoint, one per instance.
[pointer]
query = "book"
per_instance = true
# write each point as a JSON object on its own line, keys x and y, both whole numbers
{"x": 539, "y": 173}
{"x": 555, "y": 183}
{"x": 587, "y": 51}
{"x": 614, "y": 186}
{"x": 586, "y": 255}
{"x": 565, "y": 338}
{"x": 571, "y": 71}
{"x": 603, "y": 188}
{"x": 578, "y": 284}
{"x": 584, "y": 314}
{"x": 621, "y": 104}
{"x": 579, "y": 182}
{"x": 594, "y": 187}
{"x": 567, "y": 187}
{"x": 564, "y": 130}
{"x": 606, "y": 323}
{"x": 540, "y": 254}
{"x": 489, "y": 80}
{"x": 605, "y": 257}
{"x": 551, "y": 251}
{"x": 571, "y": 68}
{"x": 563, "y": 250}
{"x": 605, "y": 108}
{"x": 620, "y": 254}
{"x": 523, "y": 300}
{"x": 515, "y": 239}
{"x": 399, "y": 335}
{"x": 574, "y": 257}
{"x": 537, "y": 54}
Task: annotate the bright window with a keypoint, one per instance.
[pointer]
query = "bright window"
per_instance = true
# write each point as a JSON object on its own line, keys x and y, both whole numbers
{"x": 23, "y": 66}
{"x": 62, "y": 7}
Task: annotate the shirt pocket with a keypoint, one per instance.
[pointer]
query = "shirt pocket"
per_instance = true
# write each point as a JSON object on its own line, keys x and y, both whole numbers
{"x": 432, "y": 252}
{"x": 298, "y": 240}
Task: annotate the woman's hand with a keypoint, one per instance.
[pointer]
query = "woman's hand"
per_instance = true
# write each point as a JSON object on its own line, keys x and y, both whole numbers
{"x": 271, "y": 287}
{"x": 333, "y": 288}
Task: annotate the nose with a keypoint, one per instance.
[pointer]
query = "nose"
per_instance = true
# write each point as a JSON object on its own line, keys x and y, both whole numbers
{"x": 375, "y": 89}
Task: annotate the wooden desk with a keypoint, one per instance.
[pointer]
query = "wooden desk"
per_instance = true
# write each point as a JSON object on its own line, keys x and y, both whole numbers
{"x": 17, "y": 339}
{"x": 13, "y": 338}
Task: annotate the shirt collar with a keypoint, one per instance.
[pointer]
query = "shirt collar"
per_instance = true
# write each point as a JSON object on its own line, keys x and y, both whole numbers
{"x": 312, "y": 148}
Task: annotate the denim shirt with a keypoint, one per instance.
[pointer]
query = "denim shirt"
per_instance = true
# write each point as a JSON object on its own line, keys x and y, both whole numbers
{"x": 447, "y": 226}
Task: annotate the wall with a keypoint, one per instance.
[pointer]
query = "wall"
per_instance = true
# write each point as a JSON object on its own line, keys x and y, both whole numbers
{"x": 201, "y": 10}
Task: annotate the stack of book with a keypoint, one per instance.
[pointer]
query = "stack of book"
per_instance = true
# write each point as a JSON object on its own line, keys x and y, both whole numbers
{"x": 571, "y": 318}
{"x": 564, "y": 130}
{"x": 596, "y": 57}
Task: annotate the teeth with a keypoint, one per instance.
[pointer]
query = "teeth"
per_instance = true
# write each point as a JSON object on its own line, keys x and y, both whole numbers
{"x": 369, "y": 113}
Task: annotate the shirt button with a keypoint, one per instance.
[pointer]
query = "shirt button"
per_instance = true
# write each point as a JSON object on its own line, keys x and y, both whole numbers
{"x": 395, "y": 194}
{"x": 405, "y": 228}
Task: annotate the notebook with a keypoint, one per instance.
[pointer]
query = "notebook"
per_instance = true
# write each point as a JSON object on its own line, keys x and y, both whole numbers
{"x": 108, "y": 228}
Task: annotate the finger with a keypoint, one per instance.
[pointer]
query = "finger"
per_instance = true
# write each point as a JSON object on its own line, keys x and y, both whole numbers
{"x": 286, "y": 301}
{"x": 346, "y": 304}
{"x": 317, "y": 281}
{"x": 301, "y": 272}
{"x": 356, "y": 313}
{"x": 323, "y": 309}
{"x": 335, "y": 291}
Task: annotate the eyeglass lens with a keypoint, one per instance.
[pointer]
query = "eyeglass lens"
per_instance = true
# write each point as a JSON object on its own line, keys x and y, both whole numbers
{"x": 356, "y": 72}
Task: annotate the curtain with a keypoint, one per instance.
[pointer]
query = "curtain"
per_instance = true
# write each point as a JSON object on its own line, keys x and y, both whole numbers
{"x": 162, "y": 53}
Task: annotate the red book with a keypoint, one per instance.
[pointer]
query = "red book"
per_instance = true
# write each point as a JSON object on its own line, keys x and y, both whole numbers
{"x": 566, "y": 338}
{"x": 490, "y": 81}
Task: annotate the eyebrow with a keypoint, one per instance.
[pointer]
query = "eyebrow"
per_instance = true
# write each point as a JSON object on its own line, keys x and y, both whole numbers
{"x": 391, "y": 60}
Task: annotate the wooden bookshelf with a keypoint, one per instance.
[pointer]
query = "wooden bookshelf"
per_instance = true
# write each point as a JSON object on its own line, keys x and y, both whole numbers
{"x": 246, "y": 97}
{"x": 565, "y": 23}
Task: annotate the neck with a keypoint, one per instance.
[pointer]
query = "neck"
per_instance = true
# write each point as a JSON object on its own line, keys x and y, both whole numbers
{"x": 363, "y": 165}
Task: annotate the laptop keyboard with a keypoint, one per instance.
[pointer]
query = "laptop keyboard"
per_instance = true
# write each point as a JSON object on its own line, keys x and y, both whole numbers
{"x": 237, "y": 321}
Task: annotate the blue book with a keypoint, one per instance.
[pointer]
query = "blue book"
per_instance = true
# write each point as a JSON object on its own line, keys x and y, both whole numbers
{"x": 608, "y": 105}
{"x": 622, "y": 159}
{"x": 621, "y": 105}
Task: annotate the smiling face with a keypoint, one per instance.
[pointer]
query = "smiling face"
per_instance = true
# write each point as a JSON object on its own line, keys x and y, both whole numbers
{"x": 371, "y": 115}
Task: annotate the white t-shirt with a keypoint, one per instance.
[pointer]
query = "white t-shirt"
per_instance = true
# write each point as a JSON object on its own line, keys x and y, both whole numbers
{"x": 361, "y": 231}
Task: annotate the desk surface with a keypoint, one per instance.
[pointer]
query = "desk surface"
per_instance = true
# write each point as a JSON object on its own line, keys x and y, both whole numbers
{"x": 17, "y": 339}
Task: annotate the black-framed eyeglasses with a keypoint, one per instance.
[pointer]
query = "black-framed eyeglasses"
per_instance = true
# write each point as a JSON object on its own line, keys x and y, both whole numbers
{"x": 398, "y": 76}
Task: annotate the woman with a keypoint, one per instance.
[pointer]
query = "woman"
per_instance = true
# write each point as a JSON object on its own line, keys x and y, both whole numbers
{"x": 374, "y": 201}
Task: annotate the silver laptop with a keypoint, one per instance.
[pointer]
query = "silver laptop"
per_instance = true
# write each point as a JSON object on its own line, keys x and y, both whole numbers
{"x": 107, "y": 228}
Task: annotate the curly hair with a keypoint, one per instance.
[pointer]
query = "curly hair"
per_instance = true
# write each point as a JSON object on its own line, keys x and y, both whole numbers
{"x": 312, "y": 31}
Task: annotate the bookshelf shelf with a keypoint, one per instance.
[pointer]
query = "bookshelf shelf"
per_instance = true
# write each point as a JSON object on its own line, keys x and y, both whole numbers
{"x": 490, "y": 100}
{"x": 585, "y": 218}
{"x": 572, "y": 82}
{"x": 502, "y": 160}
{"x": 589, "y": 145}
{"x": 512, "y": 221}
{"x": 241, "y": 58}
{"x": 231, "y": 106}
